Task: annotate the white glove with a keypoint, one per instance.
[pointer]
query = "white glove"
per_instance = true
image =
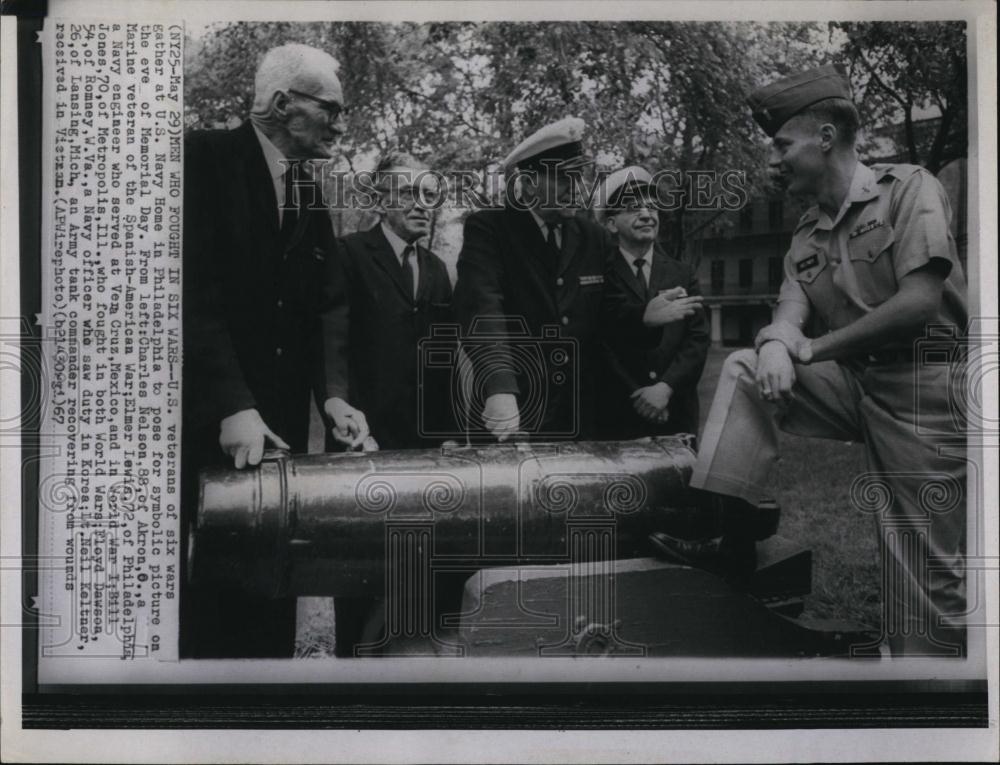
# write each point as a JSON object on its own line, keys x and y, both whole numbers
{"x": 501, "y": 415}
{"x": 349, "y": 424}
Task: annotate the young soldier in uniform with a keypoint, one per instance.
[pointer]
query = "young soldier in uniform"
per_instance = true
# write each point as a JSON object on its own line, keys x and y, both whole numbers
{"x": 874, "y": 262}
{"x": 537, "y": 263}
{"x": 655, "y": 332}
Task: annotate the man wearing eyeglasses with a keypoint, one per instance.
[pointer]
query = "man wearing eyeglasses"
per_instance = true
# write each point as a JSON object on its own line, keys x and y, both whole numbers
{"x": 399, "y": 290}
{"x": 265, "y": 308}
{"x": 654, "y": 327}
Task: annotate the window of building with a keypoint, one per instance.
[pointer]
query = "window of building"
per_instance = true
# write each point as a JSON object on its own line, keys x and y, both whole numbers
{"x": 775, "y": 274}
{"x": 746, "y": 273}
{"x": 718, "y": 275}
{"x": 746, "y": 218}
{"x": 775, "y": 214}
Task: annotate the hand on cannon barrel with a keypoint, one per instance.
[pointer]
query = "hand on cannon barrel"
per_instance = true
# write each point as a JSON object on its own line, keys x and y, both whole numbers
{"x": 501, "y": 416}
{"x": 349, "y": 424}
{"x": 242, "y": 436}
{"x": 670, "y": 306}
{"x": 651, "y": 401}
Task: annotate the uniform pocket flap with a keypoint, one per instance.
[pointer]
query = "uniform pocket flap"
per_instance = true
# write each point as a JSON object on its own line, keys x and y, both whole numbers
{"x": 867, "y": 243}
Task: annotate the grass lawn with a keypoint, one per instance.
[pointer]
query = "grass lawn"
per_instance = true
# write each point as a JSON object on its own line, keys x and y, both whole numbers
{"x": 811, "y": 483}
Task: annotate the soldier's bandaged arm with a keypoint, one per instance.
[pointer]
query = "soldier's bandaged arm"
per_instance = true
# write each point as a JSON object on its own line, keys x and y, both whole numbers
{"x": 904, "y": 315}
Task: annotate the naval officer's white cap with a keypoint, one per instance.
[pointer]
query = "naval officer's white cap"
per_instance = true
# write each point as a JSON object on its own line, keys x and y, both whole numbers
{"x": 559, "y": 142}
{"x": 622, "y": 186}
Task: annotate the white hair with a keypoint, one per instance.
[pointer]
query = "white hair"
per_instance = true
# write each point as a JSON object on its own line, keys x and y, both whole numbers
{"x": 289, "y": 66}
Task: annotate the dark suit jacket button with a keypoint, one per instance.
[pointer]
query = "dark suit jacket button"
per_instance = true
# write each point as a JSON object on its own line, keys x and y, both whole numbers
{"x": 559, "y": 282}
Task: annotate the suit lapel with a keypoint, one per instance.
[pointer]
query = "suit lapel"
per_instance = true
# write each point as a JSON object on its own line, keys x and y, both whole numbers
{"x": 570, "y": 241}
{"x": 385, "y": 259}
{"x": 260, "y": 186}
{"x": 530, "y": 246}
{"x": 663, "y": 272}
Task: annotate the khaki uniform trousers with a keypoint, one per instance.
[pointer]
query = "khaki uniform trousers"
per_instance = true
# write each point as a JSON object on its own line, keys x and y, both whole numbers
{"x": 915, "y": 485}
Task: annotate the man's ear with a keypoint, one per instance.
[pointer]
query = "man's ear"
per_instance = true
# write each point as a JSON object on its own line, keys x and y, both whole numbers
{"x": 827, "y": 136}
{"x": 611, "y": 225}
{"x": 279, "y": 103}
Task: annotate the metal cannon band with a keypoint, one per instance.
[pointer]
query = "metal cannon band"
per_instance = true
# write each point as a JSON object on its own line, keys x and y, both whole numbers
{"x": 547, "y": 396}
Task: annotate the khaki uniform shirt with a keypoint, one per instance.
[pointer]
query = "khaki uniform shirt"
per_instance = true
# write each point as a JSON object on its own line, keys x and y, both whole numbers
{"x": 894, "y": 220}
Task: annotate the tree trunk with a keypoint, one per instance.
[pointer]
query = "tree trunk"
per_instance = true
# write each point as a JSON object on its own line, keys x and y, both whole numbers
{"x": 911, "y": 139}
{"x": 935, "y": 160}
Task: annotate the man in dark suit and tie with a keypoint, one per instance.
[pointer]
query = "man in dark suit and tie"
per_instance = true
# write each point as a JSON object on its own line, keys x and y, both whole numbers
{"x": 399, "y": 289}
{"x": 528, "y": 295}
{"x": 265, "y": 313}
{"x": 655, "y": 332}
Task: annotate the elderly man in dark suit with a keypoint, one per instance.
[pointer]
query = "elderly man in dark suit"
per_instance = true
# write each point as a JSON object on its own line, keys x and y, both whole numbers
{"x": 528, "y": 295}
{"x": 399, "y": 289}
{"x": 265, "y": 310}
{"x": 655, "y": 331}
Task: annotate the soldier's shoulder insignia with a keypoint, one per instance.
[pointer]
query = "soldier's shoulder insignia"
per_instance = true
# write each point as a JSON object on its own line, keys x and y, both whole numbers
{"x": 894, "y": 172}
{"x": 809, "y": 261}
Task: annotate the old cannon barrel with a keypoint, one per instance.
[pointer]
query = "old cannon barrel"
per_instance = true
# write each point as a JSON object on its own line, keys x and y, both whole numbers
{"x": 340, "y": 524}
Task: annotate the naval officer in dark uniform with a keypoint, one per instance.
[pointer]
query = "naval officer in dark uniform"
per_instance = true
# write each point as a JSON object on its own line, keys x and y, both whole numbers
{"x": 654, "y": 326}
{"x": 528, "y": 295}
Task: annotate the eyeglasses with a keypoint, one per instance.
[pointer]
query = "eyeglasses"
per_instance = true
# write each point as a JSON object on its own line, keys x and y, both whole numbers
{"x": 332, "y": 108}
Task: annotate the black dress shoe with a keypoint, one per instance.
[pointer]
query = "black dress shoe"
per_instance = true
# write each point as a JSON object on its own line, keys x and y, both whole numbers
{"x": 734, "y": 558}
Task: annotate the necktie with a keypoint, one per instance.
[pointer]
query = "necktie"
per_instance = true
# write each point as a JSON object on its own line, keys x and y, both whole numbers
{"x": 408, "y": 281}
{"x": 641, "y": 274}
{"x": 551, "y": 239}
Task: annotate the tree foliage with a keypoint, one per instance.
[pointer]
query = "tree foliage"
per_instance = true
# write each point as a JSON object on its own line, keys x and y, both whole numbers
{"x": 667, "y": 95}
{"x": 901, "y": 70}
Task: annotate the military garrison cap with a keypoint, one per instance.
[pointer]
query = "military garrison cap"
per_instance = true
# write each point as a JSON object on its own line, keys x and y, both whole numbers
{"x": 774, "y": 104}
{"x": 557, "y": 142}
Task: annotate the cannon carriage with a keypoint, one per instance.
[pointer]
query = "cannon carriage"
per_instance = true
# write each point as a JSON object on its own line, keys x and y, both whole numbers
{"x": 550, "y": 540}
